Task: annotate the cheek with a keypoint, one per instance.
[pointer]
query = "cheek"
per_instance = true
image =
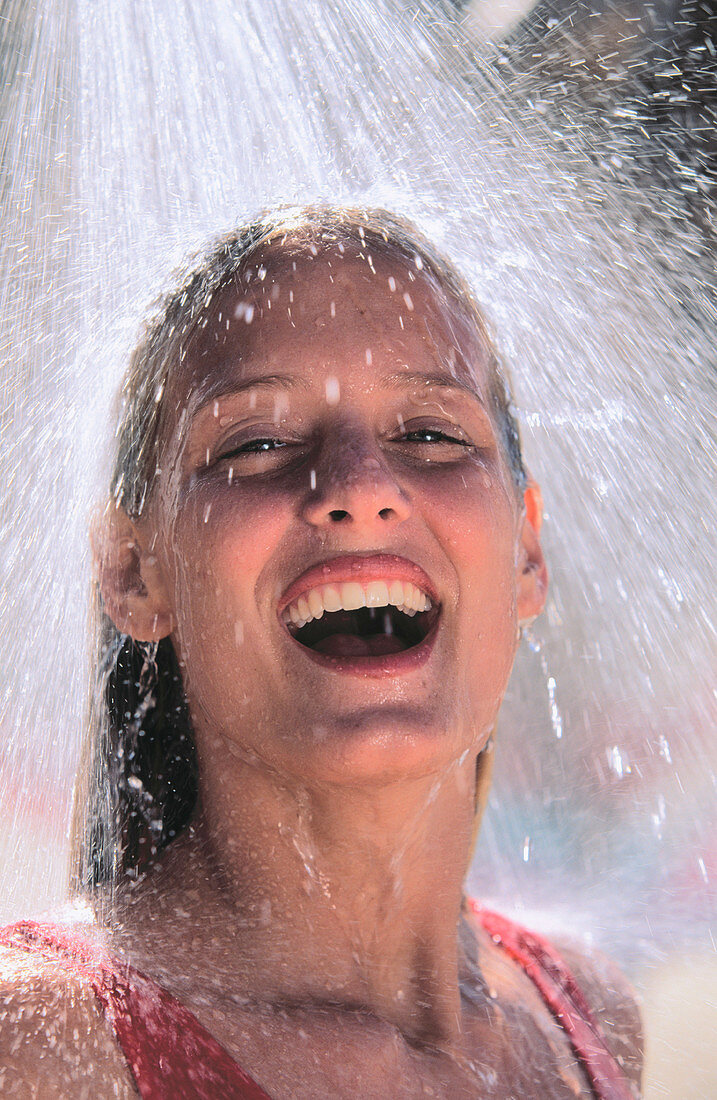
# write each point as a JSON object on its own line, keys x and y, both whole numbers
{"x": 478, "y": 531}
{"x": 220, "y": 544}
{"x": 476, "y": 516}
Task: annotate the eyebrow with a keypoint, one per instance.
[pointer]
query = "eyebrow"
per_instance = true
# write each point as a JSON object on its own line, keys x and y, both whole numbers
{"x": 406, "y": 379}
{"x": 400, "y": 380}
{"x": 264, "y": 381}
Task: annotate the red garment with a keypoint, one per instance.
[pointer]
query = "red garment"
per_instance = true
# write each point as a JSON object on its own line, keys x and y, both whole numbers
{"x": 561, "y": 993}
{"x": 173, "y": 1057}
{"x": 170, "y": 1054}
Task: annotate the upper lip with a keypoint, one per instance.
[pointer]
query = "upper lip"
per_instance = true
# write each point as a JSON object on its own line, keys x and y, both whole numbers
{"x": 357, "y": 567}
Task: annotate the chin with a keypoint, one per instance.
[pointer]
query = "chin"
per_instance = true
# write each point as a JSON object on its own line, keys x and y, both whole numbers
{"x": 382, "y": 744}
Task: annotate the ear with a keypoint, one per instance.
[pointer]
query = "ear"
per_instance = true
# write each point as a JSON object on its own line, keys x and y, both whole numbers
{"x": 532, "y": 572}
{"x": 130, "y": 577}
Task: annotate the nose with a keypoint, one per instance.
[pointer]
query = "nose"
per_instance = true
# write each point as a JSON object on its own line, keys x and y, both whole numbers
{"x": 353, "y": 485}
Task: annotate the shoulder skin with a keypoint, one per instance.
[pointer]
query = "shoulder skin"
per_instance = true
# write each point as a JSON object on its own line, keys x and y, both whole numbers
{"x": 54, "y": 1041}
{"x": 614, "y": 1004}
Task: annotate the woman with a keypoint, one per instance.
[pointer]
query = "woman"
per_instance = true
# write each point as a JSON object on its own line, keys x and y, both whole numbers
{"x": 320, "y": 548}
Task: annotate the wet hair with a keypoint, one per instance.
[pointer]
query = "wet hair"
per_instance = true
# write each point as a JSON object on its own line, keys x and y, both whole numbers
{"x": 139, "y": 790}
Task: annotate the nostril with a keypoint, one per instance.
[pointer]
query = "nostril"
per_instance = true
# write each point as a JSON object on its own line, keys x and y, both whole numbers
{"x": 338, "y": 514}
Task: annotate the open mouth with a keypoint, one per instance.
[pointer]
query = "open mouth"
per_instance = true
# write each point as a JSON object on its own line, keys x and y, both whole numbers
{"x": 392, "y": 619}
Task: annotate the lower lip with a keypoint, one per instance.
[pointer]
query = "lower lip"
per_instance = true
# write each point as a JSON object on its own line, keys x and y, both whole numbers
{"x": 384, "y": 665}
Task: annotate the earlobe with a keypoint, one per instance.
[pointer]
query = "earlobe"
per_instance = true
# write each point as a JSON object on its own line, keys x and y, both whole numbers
{"x": 532, "y": 572}
{"x": 130, "y": 577}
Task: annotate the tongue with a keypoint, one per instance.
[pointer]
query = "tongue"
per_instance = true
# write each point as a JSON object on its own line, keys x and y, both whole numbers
{"x": 351, "y": 645}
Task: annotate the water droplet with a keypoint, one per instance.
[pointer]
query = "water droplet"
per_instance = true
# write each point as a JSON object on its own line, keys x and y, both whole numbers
{"x": 616, "y": 761}
{"x": 245, "y": 311}
{"x": 332, "y": 390}
{"x": 555, "y": 715}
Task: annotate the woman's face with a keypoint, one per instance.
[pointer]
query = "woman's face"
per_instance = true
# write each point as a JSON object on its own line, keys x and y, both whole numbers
{"x": 334, "y": 447}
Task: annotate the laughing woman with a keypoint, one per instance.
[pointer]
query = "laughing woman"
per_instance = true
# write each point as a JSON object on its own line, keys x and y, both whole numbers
{"x": 319, "y": 549}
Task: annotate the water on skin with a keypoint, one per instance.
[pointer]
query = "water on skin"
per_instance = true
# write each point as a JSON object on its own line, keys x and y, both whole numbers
{"x": 133, "y": 133}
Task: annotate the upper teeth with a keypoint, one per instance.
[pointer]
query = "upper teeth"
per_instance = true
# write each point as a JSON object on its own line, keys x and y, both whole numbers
{"x": 407, "y": 597}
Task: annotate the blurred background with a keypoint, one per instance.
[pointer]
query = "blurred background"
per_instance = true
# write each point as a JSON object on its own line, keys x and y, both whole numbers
{"x": 564, "y": 154}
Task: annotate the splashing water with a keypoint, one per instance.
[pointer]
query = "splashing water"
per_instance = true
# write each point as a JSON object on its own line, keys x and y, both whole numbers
{"x": 137, "y": 131}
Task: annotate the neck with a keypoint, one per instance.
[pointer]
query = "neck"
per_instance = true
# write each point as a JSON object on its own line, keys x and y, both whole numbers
{"x": 330, "y": 895}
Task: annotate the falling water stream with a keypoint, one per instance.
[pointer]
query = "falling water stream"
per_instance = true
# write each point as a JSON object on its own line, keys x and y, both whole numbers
{"x": 134, "y": 132}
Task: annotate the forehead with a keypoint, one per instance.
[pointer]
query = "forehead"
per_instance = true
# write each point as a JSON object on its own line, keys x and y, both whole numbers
{"x": 326, "y": 308}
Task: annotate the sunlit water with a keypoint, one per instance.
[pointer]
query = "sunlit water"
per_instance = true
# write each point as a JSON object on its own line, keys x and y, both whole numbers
{"x": 136, "y": 131}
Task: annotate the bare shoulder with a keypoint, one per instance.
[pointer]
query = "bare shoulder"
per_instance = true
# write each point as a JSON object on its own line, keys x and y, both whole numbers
{"x": 54, "y": 1040}
{"x": 613, "y": 1002}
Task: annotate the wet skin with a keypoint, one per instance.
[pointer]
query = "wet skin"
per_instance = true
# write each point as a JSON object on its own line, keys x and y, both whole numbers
{"x": 343, "y": 419}
{"x": 336, "y": 409}
{"x": 310, "y": 917}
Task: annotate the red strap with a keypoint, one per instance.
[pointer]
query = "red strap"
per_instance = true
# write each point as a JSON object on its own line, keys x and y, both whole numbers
{"x": 558, "y": 988}
{"x": 171, "y": 1055}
